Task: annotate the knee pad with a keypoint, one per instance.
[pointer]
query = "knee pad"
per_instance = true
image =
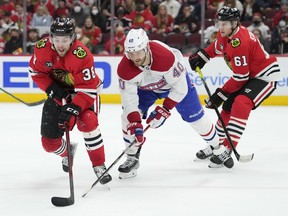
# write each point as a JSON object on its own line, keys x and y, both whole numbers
{"x": 87, "y": 121}
{"x": 53, "y": 145}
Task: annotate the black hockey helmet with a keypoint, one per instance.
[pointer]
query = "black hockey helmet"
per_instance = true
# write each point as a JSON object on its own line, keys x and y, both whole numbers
{"x": 228, "y": 14}
{"x": 63, "y": 27}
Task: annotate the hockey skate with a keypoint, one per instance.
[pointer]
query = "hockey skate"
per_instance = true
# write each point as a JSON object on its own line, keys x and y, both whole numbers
{"x": 129, "y": 168}
{"x": 221, "y": 157}
{"x": 65, "y": 159}
{"x": 204, "y": 154}
{"x": 99, "y": 170}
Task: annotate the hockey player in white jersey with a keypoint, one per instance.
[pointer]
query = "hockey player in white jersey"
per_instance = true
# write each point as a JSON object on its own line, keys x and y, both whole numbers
{"x": 148, "y": 71}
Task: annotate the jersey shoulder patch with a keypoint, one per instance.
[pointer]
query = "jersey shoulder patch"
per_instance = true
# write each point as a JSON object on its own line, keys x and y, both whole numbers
{"x": 126, "y": 69}
{"x": 163, "y": 58}
{"x": 235, "y": 42}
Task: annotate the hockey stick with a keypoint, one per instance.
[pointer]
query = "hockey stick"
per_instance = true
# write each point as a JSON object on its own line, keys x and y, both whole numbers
{"x": 240, "y": 158}
{"x": 117, "y": 159}
{"x": 26, "y": 103}
{"x": 63, "y": 201}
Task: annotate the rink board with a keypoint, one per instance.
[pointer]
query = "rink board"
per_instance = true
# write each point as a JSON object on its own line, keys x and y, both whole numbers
{"x": 15, "y": 78}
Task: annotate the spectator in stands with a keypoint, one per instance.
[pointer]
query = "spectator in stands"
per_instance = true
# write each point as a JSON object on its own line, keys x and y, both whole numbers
{"x": 18, "y": 16}
{"x": 7, "y": 6}
{"x": 186, "y": 22}
{"x": 84, "y": 39}
{"x": 279, "y": 39}
{"x": 266, "y": 4}
{"x": 173, "y": 7}
{"x": 77, "y": 13}
{"x": 2, "y": 44}
{"x": 140, "y": 17}
{"x": 106, "y": 7}
{"x": 5, "y": 23}
{"x": 283, "y": 12}
{"x": 48, "y": 4}
{"x": 210, "y": 32}
{"x": 232, "y": 3}
{"x": 162, "y": 22}
{"x": 249, "y": 8}
{"x": 152, "y": 6}
{"x": 32, "y": 38}
{"x": 92, "y": 32}
{"x": 257, "y": 23}
{"x": 119, "y": 19}
{"x": 265, "y": 43}
{"x": 98, "y": 18}
{"x": 62, "y": 10}
{"x": 118, "y": 41}
{"x": 15, "y": 44}
{"x": 213, "y": 4}
{"x": 41, "y": 17}
{"x": 195, "y": 5}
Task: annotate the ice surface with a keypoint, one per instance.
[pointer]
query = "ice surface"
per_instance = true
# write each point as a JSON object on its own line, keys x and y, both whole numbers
{"x": 169, "y": 182}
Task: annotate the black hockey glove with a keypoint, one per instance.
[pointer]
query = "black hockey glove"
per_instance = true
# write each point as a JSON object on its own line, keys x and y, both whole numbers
{"x": 198, "y": 59}
{"x": 68, "y": 115}
{"x": 216, "y": 99}
{"x": 57, "y": 92}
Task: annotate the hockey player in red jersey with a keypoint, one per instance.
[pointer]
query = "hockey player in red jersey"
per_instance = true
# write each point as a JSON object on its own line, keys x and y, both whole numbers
{"x": 254, "y": 78}
{"x": 148, "y": 71}
{"x": 63, "y": 67}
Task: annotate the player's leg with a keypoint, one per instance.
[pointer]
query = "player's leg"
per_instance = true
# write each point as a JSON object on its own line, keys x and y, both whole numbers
{"x": 248, "y": 98}
{"x": 87, "y": 123}
{"x": 192, "y": 112}
{"x": 130, "y": 166}
{"x": 52, "y": 140}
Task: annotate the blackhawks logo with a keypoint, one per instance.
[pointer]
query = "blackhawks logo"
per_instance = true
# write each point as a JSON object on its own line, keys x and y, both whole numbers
{"x": 41, "y": 43}
{"x": 80, "y": 52}
{"x": 235, "y": 42}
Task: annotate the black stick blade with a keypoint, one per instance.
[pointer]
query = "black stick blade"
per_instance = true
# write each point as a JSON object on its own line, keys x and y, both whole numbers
{"x": 62, "y": 201}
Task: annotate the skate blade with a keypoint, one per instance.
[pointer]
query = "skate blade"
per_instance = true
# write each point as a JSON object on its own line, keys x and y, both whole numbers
{"x": 201, "y": 160}
{"x": 131, "y": 174}
{"x": 213, "y": 165}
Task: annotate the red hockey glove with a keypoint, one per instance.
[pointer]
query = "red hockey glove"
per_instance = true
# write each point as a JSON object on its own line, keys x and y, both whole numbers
{"x": 158, "y": 117}
{"x": 198, "y": 59}
{"x": 68, "y": 115}
{"x": 216, "y": 99}
{"x": 136, "y": 129}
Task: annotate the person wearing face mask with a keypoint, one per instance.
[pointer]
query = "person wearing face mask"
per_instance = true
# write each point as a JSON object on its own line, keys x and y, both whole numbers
{"x": 78, "y": 14}
{"x": 279, "y": 39}
{"x": 257, "y": 23}
{"x": 98, "y": 18}
{"x": 14, "y": 45}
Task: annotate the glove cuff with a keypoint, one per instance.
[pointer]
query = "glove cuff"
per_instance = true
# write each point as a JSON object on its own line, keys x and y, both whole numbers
{"x": 169, "y": 104}
{"x": 134, "y": 117}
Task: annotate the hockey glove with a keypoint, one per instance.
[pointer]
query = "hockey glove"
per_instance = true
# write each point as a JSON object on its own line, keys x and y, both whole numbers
{"x": 158, "y": 117}
{"x": 57, "y": 92}
{"x": 68, "y": 115}
{"x": 136, "y": 129}
{"x": 216, "y": 99}
{"x": 198, "y": 59}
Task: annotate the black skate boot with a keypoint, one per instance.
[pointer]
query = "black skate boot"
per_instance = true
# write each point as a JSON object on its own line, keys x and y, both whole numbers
{"x": 129, "y": 168}
{"x": 220, "y": 157}
{"x": 204, "y": 153}
{"x": 99, "y": 170}
{"x": 65, "y": 159}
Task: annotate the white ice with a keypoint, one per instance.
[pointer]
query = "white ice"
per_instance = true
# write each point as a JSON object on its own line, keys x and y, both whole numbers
{"x": 169, "y": 182}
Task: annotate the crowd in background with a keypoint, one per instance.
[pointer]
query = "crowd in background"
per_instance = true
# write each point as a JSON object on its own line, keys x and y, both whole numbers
{"x": 175, "y": 22}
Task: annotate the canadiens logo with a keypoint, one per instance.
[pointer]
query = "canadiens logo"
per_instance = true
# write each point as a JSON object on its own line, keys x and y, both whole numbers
{"x": 235, "y": 42}
{"x": 80, "y": 52}
{"x": 41, "y": 43}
